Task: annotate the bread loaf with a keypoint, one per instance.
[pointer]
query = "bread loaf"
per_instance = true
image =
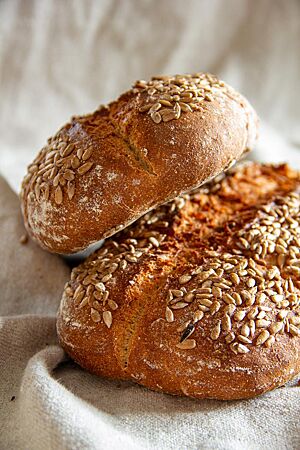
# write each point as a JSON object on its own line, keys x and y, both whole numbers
{"x": 200, "y": 297}
{"x": 102, "y": 171}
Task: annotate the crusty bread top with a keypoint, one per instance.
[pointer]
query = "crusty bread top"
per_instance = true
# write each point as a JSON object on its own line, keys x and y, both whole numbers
{"x": 102, "y": 171}
{"x": 200, "y": 296}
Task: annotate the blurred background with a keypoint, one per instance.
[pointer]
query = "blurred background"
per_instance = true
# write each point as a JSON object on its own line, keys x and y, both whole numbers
{"x": 64, "y": 57}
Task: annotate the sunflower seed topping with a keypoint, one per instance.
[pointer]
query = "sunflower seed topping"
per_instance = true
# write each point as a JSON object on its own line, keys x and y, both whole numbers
{"x": 184, "y": 279}
{"x": 95, "y": 315}
{"x": 262, "y": 337}
{"x": 187, "y": 332}
{"x": 167, "y": 97}
{"x": 188, "y": 344}
{"x": 215, "y": 332}
{"x": 53, "y": 169}
{"x": 169, "y": 315}
{"x": 107, "y": 318}
{"x": 242, "y": 348}
{"x": 85, "y": 168}
{"x": 58, "y": 195}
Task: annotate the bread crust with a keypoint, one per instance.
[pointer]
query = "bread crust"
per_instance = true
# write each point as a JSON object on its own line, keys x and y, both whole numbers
{"x": 102, "y": 171}
{"x": 200, "y": 297}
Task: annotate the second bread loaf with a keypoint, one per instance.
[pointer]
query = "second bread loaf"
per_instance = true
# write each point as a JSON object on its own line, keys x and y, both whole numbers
{"x": 201, "y": 296}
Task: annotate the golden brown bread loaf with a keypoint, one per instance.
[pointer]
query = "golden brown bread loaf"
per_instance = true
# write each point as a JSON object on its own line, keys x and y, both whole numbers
{"x": 102, "y": 171}
{"x": 200, "y": 296}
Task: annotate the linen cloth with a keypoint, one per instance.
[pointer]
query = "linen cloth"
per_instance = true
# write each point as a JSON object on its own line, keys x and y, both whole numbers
{"x": 63, "y": 57}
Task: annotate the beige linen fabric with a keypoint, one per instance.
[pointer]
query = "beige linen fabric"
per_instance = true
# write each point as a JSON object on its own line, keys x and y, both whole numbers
{"x": 62, "y": 57}
{"x": 31, "y": 279}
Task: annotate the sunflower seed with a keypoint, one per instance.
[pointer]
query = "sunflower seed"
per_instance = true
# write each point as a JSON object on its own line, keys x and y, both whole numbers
{"x": 169, "y": 315}
{"x": 262, "y": 337}
{"x": 184, "y": 279}
{"x": 145, "y": 108}
{"x": 205, "y": 302}
{"x": 235, "y": 278}
{"x": 189, "y": 297}
{"x": 95, "y": 315}
{"x": 198, "y": 315}
{"x": 100, "y": 286}
{"x": 188, "y": 344}
{"x": 123, "y": 264}
{"x": 106, "y": 277}
{"x": 239, "y": 315}
{"x": 85, "y": 168}
{"x": 215, "y": 307}
{"x": 244, "y": 339}
{"x": 187, "y": 332}
{"x": 179, "y": 305}
{"x": 84, "y": 302}
{"x": 112, "y": 304}
{"x": 226, "y": 323}
{"x": 70, "y": 190}
{"x": 215, "y": 332}
{"x": 154, "y": 241}
{"x": 87, "y": 154}
{"x": 269, "y": 342}
{"x": 242, "y": 348}
{"x": 262, "y": 323}
{"x": 58, "y": 195}
{"x": 107, "y": 318}
{"x": 156, "y": 117}
{"x": 68, "y": 150}
{"x": 75, "y": 162}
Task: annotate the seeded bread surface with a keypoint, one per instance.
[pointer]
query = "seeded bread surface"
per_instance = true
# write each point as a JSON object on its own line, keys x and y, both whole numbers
{"x": 103, "y": 171}
{"x": 200, "y": 297}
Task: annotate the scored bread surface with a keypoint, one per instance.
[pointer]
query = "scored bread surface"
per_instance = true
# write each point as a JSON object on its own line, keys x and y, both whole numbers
{"x": 200, "y": 297}
{"x": 102, "y": 171}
